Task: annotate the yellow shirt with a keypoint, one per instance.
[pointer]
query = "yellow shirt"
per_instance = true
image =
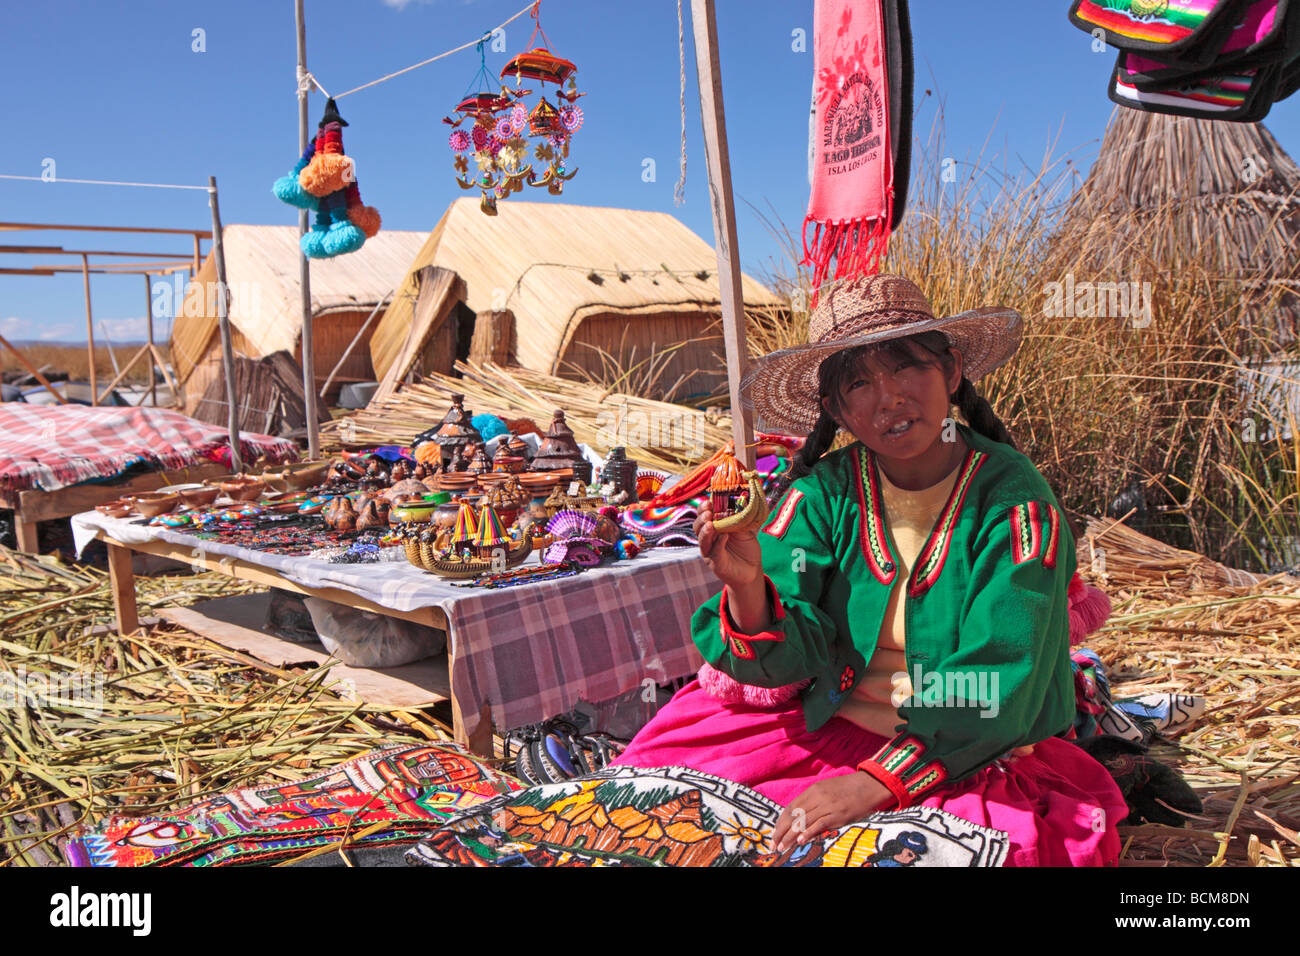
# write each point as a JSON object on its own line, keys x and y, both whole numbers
{"x": 910, "y": 517}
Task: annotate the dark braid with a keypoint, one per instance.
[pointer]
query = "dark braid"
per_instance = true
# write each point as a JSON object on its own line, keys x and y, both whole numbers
{"x": 979, "y": 413}
{"x": 815, "y": 445}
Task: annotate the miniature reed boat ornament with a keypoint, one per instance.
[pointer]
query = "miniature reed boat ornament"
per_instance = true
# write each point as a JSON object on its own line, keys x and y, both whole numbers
{"x": 737, "y": 498}
{"x": 475, "y": 546}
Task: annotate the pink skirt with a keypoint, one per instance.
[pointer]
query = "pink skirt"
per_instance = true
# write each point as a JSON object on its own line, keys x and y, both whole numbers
{"x": 1058, "y": 805}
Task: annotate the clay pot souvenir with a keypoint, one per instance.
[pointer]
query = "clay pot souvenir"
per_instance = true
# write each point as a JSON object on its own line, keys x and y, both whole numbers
{"x": 491, "y": 479}
{"x": 538, "y": 484}
{"x": 407, "y": 486}
{"x": 412, "y": 509}
{"x": 516, "y": 446}
{"x": 420, "y": 471}
{"x": 151, "y": 504}
{"x": 373, "y": 513}
{"x": 621, "y": 472}
{"x": 304, "y": 474}
{"x": 115, "y": 509}
{"x": 457, "y": 482}
{"x": 433, "y": 483}
{"x": 340, "y": 514}
{"x": 607, "y": 529}
{"x": 243, "y": 489}
{"x": 199, "y": 497}
{"x": 559, "y": 450}
{"x": 399, "y": 472}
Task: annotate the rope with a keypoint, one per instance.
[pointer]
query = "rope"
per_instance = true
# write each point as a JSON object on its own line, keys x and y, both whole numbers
{"x": 306, "y": 81}
{"x": 679, "y": 191}
{"x": 100, "y": 182}
{"x": 432, "y": 59}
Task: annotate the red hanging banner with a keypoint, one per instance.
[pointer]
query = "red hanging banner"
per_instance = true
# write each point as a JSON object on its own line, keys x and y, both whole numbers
{"x": 851, "y": 206}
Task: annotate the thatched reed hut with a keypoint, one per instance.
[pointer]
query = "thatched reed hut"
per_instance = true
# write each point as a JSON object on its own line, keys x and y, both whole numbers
{"x": 266, "y": 310}
{"x": 575, "y": 291}
{"x": 1167, "y": 190}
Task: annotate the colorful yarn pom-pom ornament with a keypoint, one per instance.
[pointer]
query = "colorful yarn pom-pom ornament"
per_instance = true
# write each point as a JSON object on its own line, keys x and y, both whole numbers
{"x": 324, "y": 181}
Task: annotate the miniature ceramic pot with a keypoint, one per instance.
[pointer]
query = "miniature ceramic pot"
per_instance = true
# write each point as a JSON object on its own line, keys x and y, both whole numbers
{"x": 199, "y": 497}
{"x": 244, "y": 489}
{"x": 115, "y": 509}
{"x": 154, "y": 503}
{"x": 304, "y": 474}
{"x": 456, "y": 482}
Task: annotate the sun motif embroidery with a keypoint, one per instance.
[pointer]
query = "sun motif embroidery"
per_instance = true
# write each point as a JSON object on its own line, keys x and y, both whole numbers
{"x": 744, "y": 832}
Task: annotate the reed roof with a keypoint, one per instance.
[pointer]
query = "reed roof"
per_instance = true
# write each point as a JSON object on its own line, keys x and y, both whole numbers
{"x": 1166, "y": 187}
{"x": 537, "y": 259}
{"x": 262, "y": 270}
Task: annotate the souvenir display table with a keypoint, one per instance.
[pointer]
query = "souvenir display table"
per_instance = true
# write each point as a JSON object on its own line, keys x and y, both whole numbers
{"x": 516, "y": 655}
{"x": 33, "y": 505}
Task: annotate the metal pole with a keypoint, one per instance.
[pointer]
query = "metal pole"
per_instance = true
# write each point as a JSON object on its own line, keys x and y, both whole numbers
{"x": 148, "y": 318}
{"x": 304, "y": 268}
{"x": 709, "y": 72}
{"x": 90, "y": 330}
{"x": 223, "y": 320}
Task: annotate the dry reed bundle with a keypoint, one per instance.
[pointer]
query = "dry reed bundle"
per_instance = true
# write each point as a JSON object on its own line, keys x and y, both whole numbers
{"x": 1187, "y": 625}
{"x": 145, "y": 724}
{"x": 657, "y": 434}
{"x": 1122, "y": 557}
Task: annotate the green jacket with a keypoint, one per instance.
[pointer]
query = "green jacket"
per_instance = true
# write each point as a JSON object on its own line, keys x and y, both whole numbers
{"x": 986, "y": 612}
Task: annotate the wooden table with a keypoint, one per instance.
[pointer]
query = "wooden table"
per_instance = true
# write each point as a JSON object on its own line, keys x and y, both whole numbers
{"x": 127, "y": 614}
{"x": 33, "y": 506}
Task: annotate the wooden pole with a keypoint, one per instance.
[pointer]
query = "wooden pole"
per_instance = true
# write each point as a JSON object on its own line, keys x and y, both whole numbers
{"x": 709, "y": 72}
{"x": 197, "y": 264}
{"x": 90, "y": 330}
{"x": 148, "y": 320}
{"x": 223, "y": 320}
{"x": 304, "y": 268}
{"x": 36, "y": 373}
{"x": 117, "y": 379}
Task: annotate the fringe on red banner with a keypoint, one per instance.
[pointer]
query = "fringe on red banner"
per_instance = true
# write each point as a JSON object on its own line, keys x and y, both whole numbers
{"x": 856, "y": 247}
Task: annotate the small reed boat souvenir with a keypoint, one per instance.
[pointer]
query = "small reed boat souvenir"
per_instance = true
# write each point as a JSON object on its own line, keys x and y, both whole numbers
{"x": 737, "y": 498}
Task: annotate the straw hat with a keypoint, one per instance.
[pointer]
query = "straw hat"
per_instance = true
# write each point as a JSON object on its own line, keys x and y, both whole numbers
{"x": 782, "y": 386}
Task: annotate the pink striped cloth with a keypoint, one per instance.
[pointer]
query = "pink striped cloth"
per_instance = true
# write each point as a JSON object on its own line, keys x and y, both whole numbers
{"x": 51, "y": 447}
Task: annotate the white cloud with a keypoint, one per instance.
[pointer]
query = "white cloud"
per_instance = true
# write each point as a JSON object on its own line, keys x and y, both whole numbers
{"x": 11, "y": 326}
{"x": 123, "y": 330}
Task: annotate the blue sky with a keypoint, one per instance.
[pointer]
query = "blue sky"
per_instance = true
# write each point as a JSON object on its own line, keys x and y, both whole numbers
{"x": 116, "y": 91}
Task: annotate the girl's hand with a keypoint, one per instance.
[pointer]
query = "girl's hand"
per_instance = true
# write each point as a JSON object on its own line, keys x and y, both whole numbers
{"x": 737, "y": 558}
{"x": 827, "y": 805}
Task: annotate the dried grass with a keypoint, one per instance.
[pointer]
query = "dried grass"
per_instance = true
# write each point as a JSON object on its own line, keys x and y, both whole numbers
{"x": 180, "y": 718}
{"x": 657, "y": 434}
{"x": 75, "y": 360}
{"x": 1183, "y": 624}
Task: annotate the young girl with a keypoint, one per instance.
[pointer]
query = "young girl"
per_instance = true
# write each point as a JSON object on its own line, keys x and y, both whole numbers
{"x": 905, "y": 605}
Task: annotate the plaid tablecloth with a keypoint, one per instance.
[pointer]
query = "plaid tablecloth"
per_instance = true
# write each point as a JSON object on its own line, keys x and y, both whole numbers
{"x": 529, "y": 652}
{"x": 51, "y": 447}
